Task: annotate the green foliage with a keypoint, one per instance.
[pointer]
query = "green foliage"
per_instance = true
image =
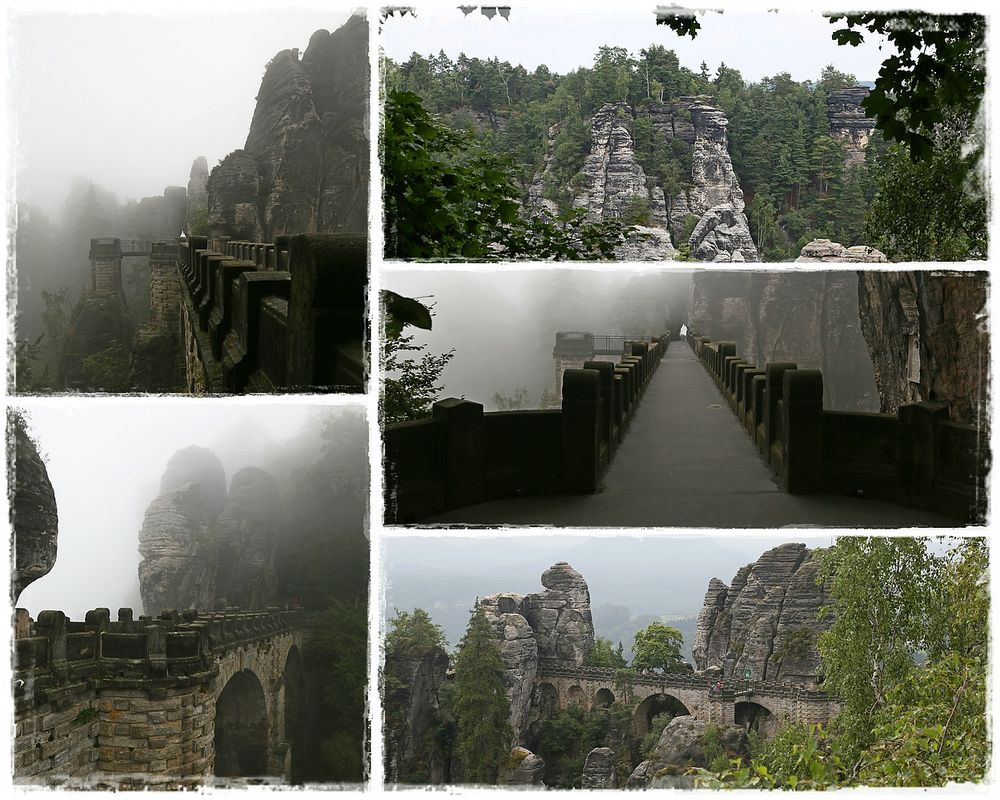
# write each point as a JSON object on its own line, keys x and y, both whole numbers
{"x": 412, "y": 635}
{"x": 935, "y": 209}
{"x": 482, "y": 711}
{"x": 798, "y": 643}
{"x": 657, "y": 646}
{"x": 86, "y": 716}
{"x": 411, "y": 385}
{"x": 602, "y": 655}
{"x": 335, "y": 663}
{"x": 443, "y": 199}
{"x": 656, "y": 726}
{"x": 939, "y": 64}
{"x": 636, "y": 211}
{"x": 515, "y": 402}
{"x": 199, "y": 222}
{"x": 108, "y": 370}
{"x": 569, "y": 735}
{"x": 399, "y": 311}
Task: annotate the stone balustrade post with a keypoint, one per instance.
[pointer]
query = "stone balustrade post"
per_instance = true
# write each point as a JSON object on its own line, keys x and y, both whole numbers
{"x": 773, "y": 383}
{"x": 581, "y": 402}
{"x": 802, "y": 431}
{"x": 916, "y": 468}
{"x": 462, "y": 422}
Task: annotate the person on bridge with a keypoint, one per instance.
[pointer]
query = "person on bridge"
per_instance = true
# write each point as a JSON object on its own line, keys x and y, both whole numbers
{"x": 684, "y": 330}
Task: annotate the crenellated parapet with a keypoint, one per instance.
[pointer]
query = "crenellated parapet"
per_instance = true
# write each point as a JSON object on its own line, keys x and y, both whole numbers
{"x": 274, "y": 316}
{"x": 171, "y": 650}
{"x": 916, "y": 457}
{"x": 461, "y": 455}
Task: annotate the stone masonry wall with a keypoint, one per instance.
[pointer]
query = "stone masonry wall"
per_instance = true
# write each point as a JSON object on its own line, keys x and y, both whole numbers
{"x": 59, "y": 737}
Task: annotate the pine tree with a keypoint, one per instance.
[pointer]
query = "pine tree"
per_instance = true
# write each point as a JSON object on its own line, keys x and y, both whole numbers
{"x": 482, "y": 710}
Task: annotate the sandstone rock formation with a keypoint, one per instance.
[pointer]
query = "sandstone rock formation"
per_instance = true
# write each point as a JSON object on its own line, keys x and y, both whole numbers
{"x": 411, "y": 702}
{"x": 197, "y": 193}
{"x": 599, "y": 769}
{"x": 304, "y": 168}
{"x": 928, "y": 339}
{"x": 33, "y": 512}
{"x": 809, "y": 318}
{"x": 612, "y": 183}
{"x": 553, "y": 624}
{"x": 821, "y": 250}
{"x": 680, "y": 746}
{"x": 203, "y": 548}
{"x": 766, "y": 621}
{"x": 527, "y": 769}
{"x": 848, "y": 123}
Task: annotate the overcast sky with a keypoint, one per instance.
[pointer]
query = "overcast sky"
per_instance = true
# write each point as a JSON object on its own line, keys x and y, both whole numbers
{"x": 565, "y": 37}
{"x": 105, "y": 459}
{"x": 131, "y": 99}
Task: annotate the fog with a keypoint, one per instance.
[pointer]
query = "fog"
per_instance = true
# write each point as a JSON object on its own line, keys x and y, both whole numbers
{"x": 105, "y": 458}
{"x": 128, "y": 100}
{"x": 564, "y": 37}
{"x": 502, "y": 324}
{"x": 632, "y": 580}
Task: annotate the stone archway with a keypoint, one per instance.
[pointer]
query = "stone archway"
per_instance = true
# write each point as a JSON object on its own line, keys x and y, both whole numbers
{"x": 604, "y": 698}
{"x": 576, "y": 695}
{"x": 652, "y": 707}
{"x": 241, "y": 728}
{"x": 755, "y": 717}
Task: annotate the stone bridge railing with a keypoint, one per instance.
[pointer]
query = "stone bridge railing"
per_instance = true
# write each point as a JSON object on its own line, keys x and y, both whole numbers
{"x": 548, "y": 668}
{"x": 460, "y": 455}
{"x": 134, "y": 702}
{"x": 916, "y": 457}
{"x": 171, "y": 650}
{"x": 281, "y": 316}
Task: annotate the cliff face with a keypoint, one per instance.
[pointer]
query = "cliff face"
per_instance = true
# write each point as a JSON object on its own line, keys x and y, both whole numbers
{"x": 304, "y": 168}
{"x": 810, "y": 318}
{"x": 612, "y": 182}
{"x": 554, "y": 624}
{"x": 765, "y": 621}
{"x": 928, "y": 338}
{"x": 848, "y": 123}
{"x": 33, "y": 513}
{"x": 197, "y": 192}
{"x": 203, "y": 547}
{"x": 411, "y": 702}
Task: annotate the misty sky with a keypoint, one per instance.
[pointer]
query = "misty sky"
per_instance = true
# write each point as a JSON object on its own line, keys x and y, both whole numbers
{"x": 502, "y": 323}
{"x": 105, "y": 458}
{"x": 758, "y": 44}
{"x": 129, "y": 100}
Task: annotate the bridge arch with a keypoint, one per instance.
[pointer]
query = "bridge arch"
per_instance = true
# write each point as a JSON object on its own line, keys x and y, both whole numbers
{"x": 576, "y": 695}
{"x": 604, "y": 698}
{"x": 756, "y": 717}
{"x": 241, "y": 728}
{"x": 651, "y": 707}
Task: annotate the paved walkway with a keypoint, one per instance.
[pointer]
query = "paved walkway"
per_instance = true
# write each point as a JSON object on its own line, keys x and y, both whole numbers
{"x": 686, "y": 462}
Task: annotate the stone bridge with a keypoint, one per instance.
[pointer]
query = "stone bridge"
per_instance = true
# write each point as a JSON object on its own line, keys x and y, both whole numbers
{"x": 157, "y": 702}
{"x": 755, "y": 705}
{"x": 236, "y": 317}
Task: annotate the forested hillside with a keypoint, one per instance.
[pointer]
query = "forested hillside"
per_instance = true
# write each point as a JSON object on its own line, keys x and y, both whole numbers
{"x": 804, "y": 155}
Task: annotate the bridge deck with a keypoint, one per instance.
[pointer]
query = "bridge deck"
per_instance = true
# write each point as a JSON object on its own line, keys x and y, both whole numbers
{"x": 686, "y": 462}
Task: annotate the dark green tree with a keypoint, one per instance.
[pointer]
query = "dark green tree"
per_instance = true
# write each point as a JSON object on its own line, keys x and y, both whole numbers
{"x": 603, "y": 655}
{"x": 482, "y": 711}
